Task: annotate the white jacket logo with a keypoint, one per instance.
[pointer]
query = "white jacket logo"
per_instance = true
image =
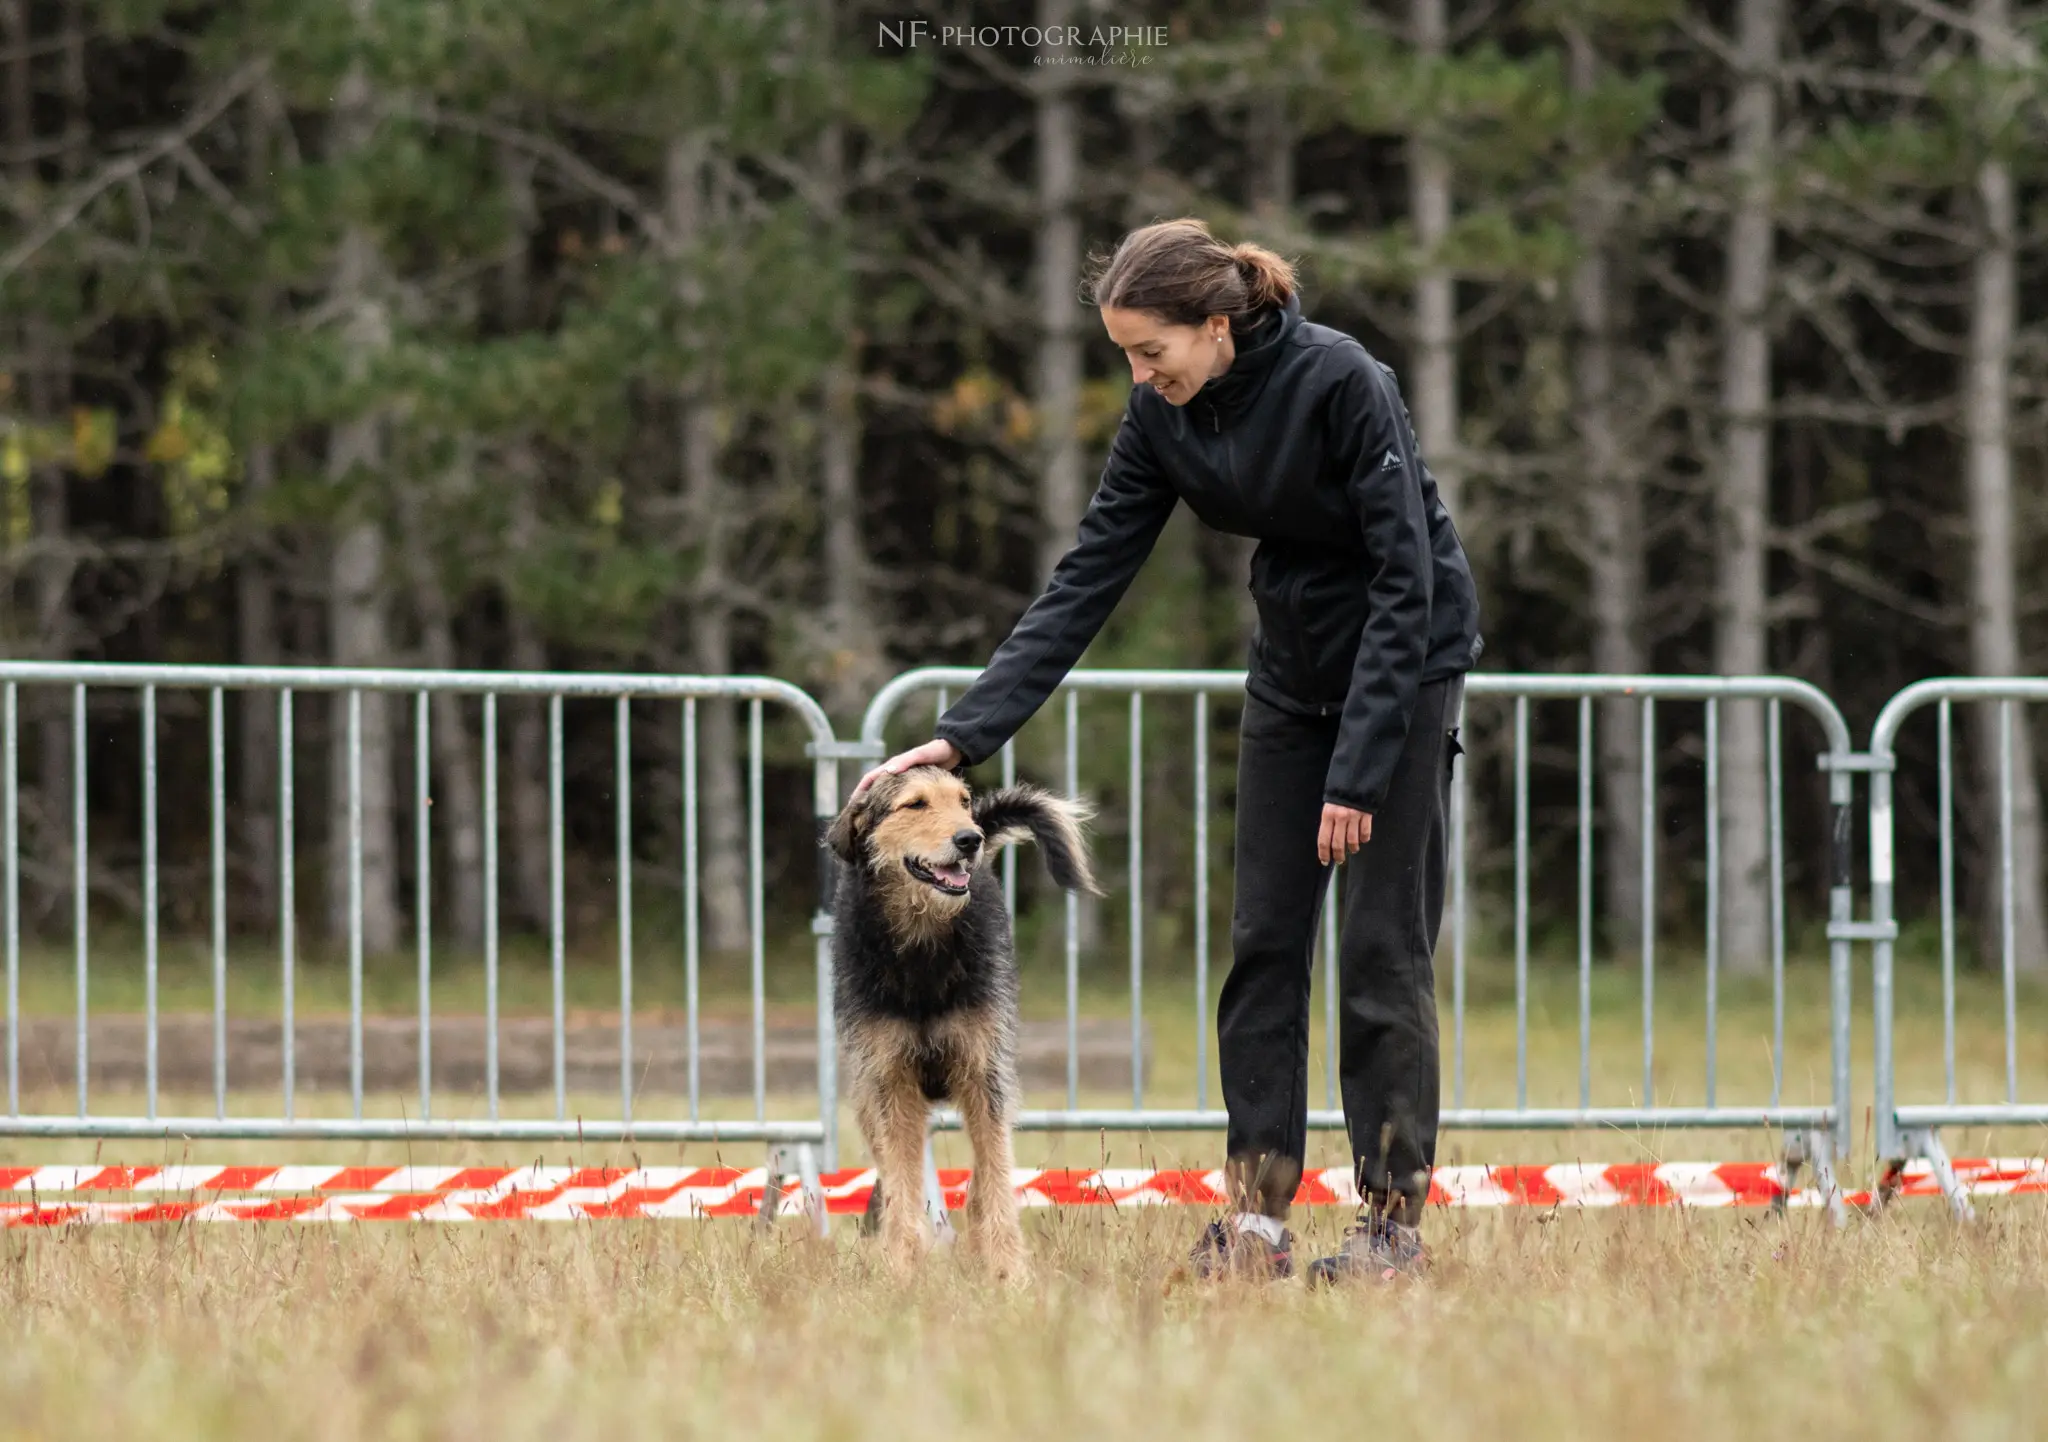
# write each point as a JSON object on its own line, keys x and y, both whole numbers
{"x": 1391, "y": 463}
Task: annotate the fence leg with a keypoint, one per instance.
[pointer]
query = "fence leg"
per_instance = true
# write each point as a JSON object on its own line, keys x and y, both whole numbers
{"x": 801, "y": 1162}
{"x": 935, "y": 1196}
{"x": 813, "y": 1188}
{"x": 771, "y": 1188}
{"x": 1926, "y": 1142}
{"x": 1819, "y": 1149}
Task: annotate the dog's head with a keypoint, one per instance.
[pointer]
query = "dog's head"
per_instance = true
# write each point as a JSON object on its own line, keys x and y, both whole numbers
{"x": 915, "y": 832}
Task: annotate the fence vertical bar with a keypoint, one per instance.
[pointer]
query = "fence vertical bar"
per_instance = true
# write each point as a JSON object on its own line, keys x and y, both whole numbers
{"x": 78, "y": 878}
{"x": 355, "y": 902}
{"x": 1841, "y": 907}
{"x": 11, "y": 805}
{"x": 1946, "y": 802}
{"x": 217, "y": 777}
{"x": 491, "y": 902}
{"x": 1883, "y": 1115}
{"x": 824, "y": 809}
{"x": 755, "y": 924}
{"x": 557, "y": 962}
{"x": 2007, "y": 950}
{"x": 149, "y": 878}
{"x": 1521, "y": 902}
{"x": 287, "y": 897}
{"x": 1458, "y": 922}
{"x": 1202, "y": 900}
{"x": 624, "y": 786}
{"x": 1073, "y": 908}
{"x": 1774, "y": 761}
{"x": 690, "y": 958}
{"x": 1136, "y": 850}
{"x": 1713, "y": 888}
{"x": 1649, "y": 899}
{"x": 423, "y": 904}
{"x": 1585, "y": 902}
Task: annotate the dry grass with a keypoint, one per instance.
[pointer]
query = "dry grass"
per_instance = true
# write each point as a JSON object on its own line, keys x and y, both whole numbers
{"x": 1578, "y": 1325}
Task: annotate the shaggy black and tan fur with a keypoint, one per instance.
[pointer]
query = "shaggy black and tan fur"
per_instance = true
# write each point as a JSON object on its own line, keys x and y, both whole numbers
{"x": 926, "y": 981}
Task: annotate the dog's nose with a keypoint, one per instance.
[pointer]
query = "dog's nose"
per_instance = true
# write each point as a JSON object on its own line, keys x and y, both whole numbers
{"x": 967, "y": 842}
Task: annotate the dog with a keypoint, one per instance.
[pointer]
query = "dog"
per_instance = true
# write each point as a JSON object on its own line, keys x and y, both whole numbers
{"x": 925, "y": 982}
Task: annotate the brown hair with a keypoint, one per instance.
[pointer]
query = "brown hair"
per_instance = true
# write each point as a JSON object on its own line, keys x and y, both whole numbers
{"x": 1178, "y": 271}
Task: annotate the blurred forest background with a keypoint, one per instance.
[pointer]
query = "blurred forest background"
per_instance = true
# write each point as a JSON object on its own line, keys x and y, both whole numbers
{"x": 697, "y": 337}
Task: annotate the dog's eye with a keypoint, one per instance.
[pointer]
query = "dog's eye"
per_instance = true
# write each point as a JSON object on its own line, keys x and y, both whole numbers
{"x": 914, "y": 806}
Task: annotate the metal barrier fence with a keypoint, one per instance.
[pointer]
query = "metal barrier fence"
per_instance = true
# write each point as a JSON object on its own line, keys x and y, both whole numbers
{"x": 1912, "y": 1131}
{"x": 1821, "y": 1131}
{"x": 1818, "y": 1129}
{"x": 143, "y": 686}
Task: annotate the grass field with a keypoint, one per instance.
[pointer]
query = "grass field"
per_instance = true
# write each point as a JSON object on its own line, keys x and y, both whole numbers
{"x": 1539, "y": 1325}
{"x": 1579, "y": 1325}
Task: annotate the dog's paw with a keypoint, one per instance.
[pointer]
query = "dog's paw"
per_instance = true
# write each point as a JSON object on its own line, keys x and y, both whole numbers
{"x": 905, "y": 1251}
{"x": 1003, "y": 1258}
{"x": 1011, "y": 1272}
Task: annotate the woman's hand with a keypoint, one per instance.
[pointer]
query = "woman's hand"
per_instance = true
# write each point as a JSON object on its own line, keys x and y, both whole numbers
{"x": 1344, "y": 831}
{"x": 932, "y": 753}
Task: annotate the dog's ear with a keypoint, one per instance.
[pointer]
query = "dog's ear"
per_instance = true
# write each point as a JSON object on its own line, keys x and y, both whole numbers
{"x": 844, "y": 835}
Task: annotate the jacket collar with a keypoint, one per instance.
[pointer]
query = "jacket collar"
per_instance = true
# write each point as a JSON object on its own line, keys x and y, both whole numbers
{"x": 1227, "y": 395}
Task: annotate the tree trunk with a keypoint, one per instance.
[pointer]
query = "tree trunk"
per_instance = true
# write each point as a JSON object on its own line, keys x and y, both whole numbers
{"x": 257, "y": 644}
{"x": 1614, "y": 533}
{"x": 1062, "y": 489}
{"x": 524, "y": 777}
{"x": 853, "y": 633}
{"x": 1994, "y": 592}
{"x": 1741, "y": 635}
{"x": 1061, "y": 497}
{"x": 459, "y": 817}
{"x": 356, "y": 619}
{"x": 722, "y": 889}
{"x": 45, "y": 387}
{"x": 1433, "y": 389}
{"x": 258, "y": 640}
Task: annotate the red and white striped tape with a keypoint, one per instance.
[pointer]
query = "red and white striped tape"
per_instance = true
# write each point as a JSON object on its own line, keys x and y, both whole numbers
{"x": 61, "y": 1195}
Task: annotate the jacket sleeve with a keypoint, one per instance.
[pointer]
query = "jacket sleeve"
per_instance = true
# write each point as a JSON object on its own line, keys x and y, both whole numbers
{"x": 1130, "y": 508}
{"x": 1375, "y": 442}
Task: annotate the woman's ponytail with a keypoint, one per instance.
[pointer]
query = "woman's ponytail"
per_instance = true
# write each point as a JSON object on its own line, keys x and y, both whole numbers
{"x": 1268, "y": 279}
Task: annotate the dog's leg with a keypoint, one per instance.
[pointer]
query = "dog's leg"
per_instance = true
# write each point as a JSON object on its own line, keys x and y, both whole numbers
{"x": 893, "y": 1121}
{"x": 993, "y": 1232}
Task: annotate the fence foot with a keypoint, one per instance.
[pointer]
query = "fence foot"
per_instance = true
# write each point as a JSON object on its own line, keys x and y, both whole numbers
{"x": 1814, "y": 1150}
{"x": 1926, "y": 1142}
{"x": 935, "y": 1197}
{"x": 800, "y": 1161}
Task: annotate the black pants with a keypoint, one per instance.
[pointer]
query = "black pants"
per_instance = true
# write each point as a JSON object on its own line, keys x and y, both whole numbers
{"x": 1389, "y": 912}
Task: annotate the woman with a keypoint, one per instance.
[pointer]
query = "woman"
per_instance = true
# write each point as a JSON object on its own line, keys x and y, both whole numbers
{"x": 1271, "y": 426}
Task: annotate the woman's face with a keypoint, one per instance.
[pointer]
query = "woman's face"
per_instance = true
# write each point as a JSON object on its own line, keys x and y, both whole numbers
{"x": 1174, "y": 360}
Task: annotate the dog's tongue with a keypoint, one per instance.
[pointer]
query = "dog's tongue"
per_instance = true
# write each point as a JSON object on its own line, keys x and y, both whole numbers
{"x": 955, "y": 875}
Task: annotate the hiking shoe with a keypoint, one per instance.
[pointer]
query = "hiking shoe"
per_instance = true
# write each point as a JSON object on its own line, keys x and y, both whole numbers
{"x": 1375, "y": 1249}
{"x": 1224, "y": 1251}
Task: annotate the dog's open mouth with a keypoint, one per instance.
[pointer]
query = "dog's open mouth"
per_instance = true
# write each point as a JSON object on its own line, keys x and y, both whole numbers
{"x": 950, "y": 878}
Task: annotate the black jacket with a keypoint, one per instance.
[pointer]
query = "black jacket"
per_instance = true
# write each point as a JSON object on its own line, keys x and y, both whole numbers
{"x": 1363, "y": 589}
